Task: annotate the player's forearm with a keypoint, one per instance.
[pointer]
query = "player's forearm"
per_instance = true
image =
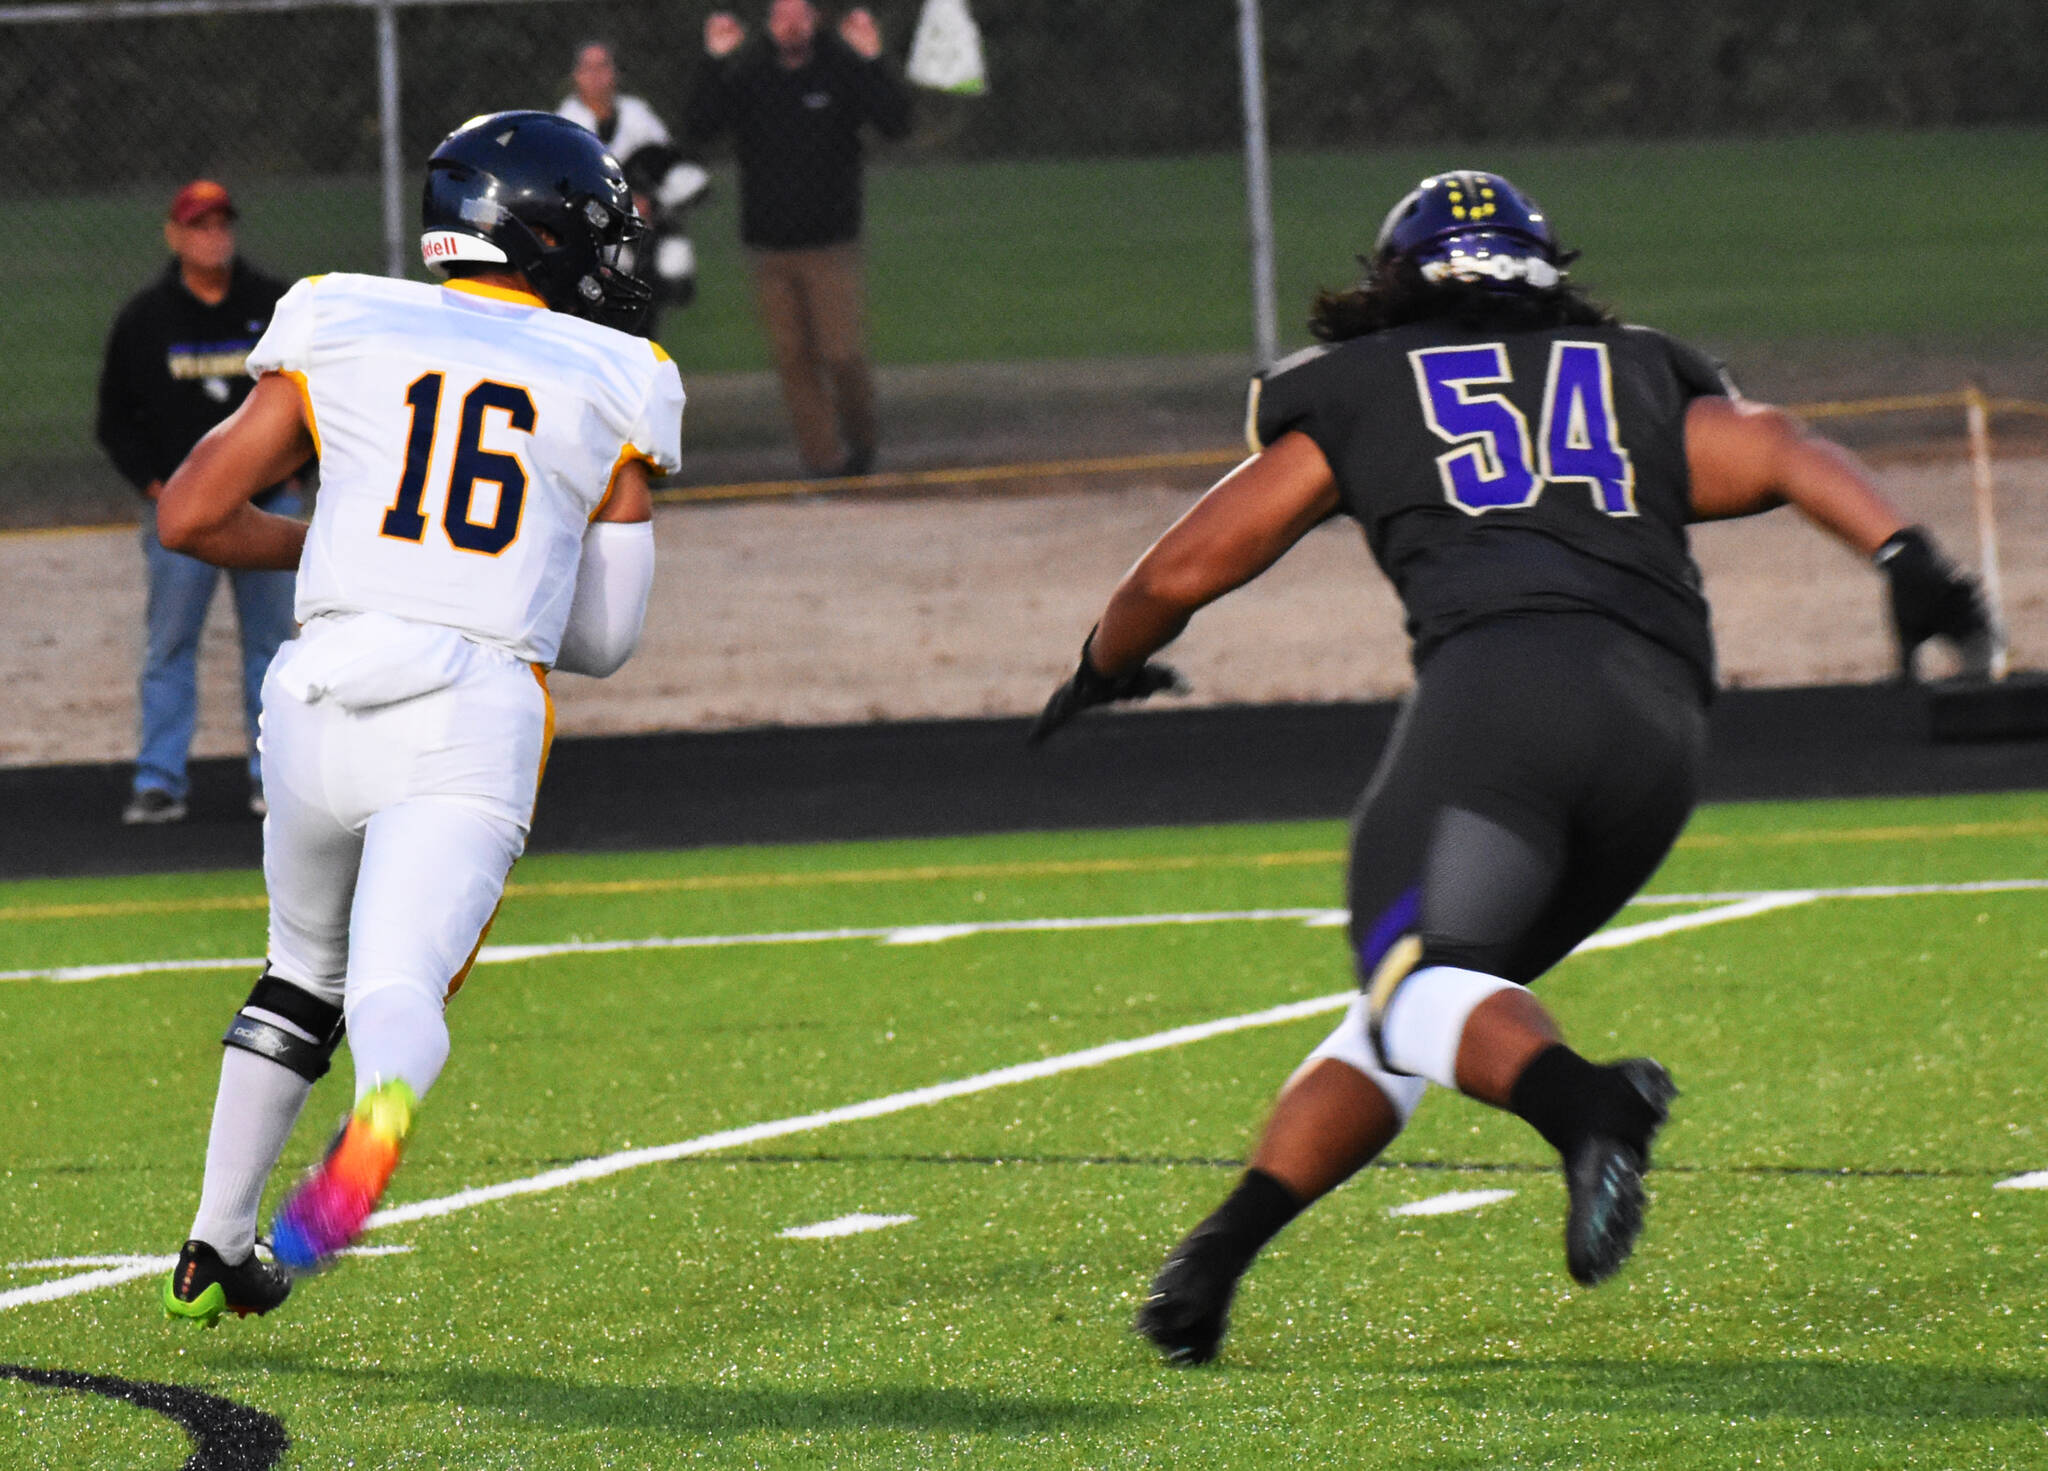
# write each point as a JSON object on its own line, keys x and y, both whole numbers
{"x": 245, "y": 538}
{"x": 1137, "y": 624}
{"x": 1830, "y": 487}
{"x": 1748, "y": 457}
{"x": 204, "y": 510}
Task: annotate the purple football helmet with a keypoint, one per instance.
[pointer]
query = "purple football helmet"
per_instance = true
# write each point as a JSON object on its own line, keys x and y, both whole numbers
{"x": 1472, "y": 226}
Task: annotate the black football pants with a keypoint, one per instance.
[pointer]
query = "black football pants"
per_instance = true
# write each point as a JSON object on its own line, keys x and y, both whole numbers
{"x": 1541, "y": 770}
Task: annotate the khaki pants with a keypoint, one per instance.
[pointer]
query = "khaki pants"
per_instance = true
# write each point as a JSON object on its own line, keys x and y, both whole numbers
{"x": 810, "y": 302}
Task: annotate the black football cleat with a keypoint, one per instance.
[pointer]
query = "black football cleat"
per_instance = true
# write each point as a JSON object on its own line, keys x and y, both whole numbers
{"x": 1186, "y": 1312}
{"x": 201, "y": 1286}
{"x": 1604, "y": 1176}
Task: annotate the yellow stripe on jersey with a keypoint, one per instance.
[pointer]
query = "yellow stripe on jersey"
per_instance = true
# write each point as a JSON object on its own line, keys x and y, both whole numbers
{"x": 306, "y": 399}
{"x": 495, "y": 293}
{"x": 547, "y": 733}
{"x": 628, "y": 452}
{"x": 660, "y": 352}
{"x": 547, "y": 743}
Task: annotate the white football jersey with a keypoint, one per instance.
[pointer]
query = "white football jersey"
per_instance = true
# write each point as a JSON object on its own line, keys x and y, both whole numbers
{"x": 467, "y": 437}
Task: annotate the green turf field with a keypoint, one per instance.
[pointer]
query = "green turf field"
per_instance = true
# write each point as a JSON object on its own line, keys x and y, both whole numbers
{"x": 1927, "y": 236}
{"x": 1830, "y": 1278}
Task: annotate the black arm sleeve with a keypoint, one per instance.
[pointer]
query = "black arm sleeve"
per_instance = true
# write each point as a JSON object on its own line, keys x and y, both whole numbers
{"x": 121, "y": 403}
{"x": 881, "y": 97}
{"x": 709, "y": 111}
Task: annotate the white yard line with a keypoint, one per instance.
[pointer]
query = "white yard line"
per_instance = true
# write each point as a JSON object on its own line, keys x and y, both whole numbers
{"x": 1651, "y": 929}
{"x": 874, "y": 1108}
{"x": 886, "y": 934}
{"x": 1866, "y": 891}
{"x": 2032, "y": 1180}
{"x": 117, "y": 1271}
{"x": 61, "y": 1287}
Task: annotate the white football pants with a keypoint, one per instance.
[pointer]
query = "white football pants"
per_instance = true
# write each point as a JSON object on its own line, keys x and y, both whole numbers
{"x": 392, "y": 829}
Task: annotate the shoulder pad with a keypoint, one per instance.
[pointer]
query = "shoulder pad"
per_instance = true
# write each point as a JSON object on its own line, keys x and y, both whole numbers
{"x": 1257, "y": 402}
{"x": 1297, "y": 359}
{"x": 1700, "y": 372}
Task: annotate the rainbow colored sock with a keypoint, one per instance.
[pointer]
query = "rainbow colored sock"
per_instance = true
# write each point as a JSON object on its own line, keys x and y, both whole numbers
{"x": 327, "y": 1209}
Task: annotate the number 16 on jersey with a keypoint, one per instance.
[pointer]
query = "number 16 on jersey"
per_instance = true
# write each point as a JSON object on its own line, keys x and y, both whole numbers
{"x": 471, "y": 464}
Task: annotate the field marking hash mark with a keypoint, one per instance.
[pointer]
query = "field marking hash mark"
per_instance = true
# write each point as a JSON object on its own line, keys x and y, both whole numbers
{"x": 852, "y": 1225}
{"x": 1451, "y": 1203}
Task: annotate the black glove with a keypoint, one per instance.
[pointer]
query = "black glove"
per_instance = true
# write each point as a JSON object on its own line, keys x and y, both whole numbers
{"x": 1089, "y": 687}
{"x": 1932, "y": 598}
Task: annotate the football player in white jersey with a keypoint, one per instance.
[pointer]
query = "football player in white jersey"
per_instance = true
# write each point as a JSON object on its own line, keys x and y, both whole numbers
{"x": 484, "y": 515}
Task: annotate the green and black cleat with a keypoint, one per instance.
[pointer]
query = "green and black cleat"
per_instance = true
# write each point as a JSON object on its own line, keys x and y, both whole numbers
{"x": 1604, "y": 1176}
{"x": 1188, "y": 1307}
{"x": 201, "y": 1286}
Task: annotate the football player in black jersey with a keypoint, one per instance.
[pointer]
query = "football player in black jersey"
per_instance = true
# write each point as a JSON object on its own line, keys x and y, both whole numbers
{"x": 1524, "y": 468}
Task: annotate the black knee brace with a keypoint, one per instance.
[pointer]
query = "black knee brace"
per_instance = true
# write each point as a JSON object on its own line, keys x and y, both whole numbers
{"x": 303, "y": 1010}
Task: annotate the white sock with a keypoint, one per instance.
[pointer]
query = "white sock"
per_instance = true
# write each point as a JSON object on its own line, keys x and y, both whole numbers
{"x": 397, "y": 1032}
{"x": 253, "y": 1113}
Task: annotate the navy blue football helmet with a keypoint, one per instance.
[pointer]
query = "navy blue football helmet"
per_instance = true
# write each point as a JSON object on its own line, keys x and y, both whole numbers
{"x": 539, "y": 194}
{"x": 1476, "y": 227}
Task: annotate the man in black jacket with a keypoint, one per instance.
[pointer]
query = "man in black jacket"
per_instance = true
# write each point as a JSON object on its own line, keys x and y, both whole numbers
{"x": 175, "y": 368}
{"x": 796, "y": 102}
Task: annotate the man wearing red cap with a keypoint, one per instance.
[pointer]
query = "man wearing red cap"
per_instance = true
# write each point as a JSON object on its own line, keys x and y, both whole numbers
{"x": 175, "y": 368}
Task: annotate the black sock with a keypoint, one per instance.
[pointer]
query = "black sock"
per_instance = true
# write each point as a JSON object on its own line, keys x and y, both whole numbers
{"x": 1567, "y": 1099}
{"x": 1250, "y": 1216}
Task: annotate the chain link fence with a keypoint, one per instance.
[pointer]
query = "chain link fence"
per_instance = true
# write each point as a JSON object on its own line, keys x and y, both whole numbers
{"x": 109, "y": 116}
{"x": 1089, "y": 208}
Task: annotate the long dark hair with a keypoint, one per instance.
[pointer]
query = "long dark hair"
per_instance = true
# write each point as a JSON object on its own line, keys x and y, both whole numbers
{"x": 1394, "y": 294}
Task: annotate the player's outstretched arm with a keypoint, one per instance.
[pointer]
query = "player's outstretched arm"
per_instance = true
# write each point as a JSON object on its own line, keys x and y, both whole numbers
{"x": 613, "y": 579}
{"x": 1748, "y": 457}
{"x": 204, "y": 510}
{"x": 1243, "y": 525}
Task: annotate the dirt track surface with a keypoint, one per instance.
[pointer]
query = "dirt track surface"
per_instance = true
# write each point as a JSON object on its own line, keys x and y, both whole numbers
{"x": 834, "y": 609}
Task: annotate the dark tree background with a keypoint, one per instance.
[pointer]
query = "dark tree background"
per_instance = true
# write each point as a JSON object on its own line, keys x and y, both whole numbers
{"x": 105, "y": 102}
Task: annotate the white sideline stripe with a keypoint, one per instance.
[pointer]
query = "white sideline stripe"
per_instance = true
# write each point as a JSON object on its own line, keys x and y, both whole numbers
{"x": 932, "y": 933}
{"x": 2032, "y": 1180}
{"x": 633, "y": 1159}
{"x": 851, "y": 1225}
{"x": 1449, "y": 1204}
{"x": 886, "y": 934}
{"x": 129, "y": 1269}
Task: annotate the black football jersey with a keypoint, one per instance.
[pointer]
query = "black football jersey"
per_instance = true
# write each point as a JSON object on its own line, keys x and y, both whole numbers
{"x": 1499, "y": 473}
